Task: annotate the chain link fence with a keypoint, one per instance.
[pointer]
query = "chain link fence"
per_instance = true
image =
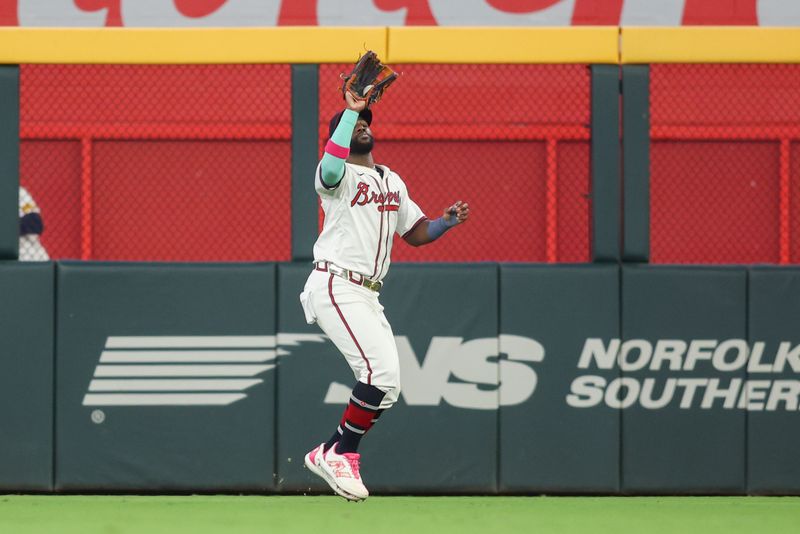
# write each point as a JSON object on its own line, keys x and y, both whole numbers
{"x": 725, "y": 171}
{"x": 159, "y": 162}
{"x": 193, "y": 162}
{"x": 512, "y": 140}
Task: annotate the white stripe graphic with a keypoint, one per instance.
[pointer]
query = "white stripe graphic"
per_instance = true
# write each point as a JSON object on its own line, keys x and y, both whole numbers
{"x": 186, "y": 356}
{"x": 293, "y": 340}
{"x": 121, "y": 364}
{"x": 180, "y": 370}
{"x": 209, "y": 342}
{"x": 161, "y": 399}
{"x": 158, "y": 384}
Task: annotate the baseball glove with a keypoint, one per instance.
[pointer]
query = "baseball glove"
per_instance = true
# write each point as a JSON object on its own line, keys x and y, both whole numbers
{"x": 369, "y": 79}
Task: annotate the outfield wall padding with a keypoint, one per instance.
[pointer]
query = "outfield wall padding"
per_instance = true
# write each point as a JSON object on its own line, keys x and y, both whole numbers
{"x": 308, "y": 364}
{"x": 672, "y": 448}
{"x": 151, "y": 336}
{"x": 773, "y": 465}
{"x": 441, "y": 436}
{"x": 9, "y": 162}
{"x": 546, "y": 444}
{"x": 448, "y": 408}
{"x": 26, "y": 376}
{"x": 524, "y": 379}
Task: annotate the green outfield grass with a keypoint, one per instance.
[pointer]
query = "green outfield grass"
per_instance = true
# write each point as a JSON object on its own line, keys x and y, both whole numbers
{"x": 27, "y": 514}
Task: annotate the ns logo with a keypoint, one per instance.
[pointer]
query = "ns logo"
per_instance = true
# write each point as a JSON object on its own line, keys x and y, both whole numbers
{"x": 479, "y": 374}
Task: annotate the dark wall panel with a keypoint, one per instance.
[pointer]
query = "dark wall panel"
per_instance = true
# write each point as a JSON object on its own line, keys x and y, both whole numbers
{"x": 442, "y": 434}
{"x": 9, "y": 161}
{"x": 165, "y": 377}
{"x": 773, "y": 429}
{"x": 680, "y": 434}
{"x": 26, "y": 376}
{"x": 548, "y": 441}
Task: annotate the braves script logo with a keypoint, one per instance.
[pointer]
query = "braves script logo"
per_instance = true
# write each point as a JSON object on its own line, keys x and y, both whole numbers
{"x": 386, "y": 202}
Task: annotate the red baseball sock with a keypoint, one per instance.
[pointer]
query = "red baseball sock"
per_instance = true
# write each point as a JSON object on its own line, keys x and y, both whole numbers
{"x": 361, "y": 413}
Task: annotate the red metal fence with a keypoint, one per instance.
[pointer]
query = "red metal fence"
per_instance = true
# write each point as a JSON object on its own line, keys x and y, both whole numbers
{"x": 193, "y": 162}
{"x": 725, "y": 163}
{"x": 177, "y": 162}
{"x": 512, "y": 140}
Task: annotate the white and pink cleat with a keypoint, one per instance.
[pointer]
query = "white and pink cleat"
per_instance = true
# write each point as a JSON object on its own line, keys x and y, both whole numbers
{"x": 340, "y": 471}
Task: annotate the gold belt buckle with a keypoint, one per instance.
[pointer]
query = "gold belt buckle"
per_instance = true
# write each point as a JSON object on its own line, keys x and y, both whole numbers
{"x": 372, "y": 284}
{"x": 335, "y": 270}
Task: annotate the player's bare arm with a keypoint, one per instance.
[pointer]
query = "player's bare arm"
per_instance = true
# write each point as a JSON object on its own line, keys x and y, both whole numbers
{"x": 356, "y": 104}
{"x": 431, "y": 230}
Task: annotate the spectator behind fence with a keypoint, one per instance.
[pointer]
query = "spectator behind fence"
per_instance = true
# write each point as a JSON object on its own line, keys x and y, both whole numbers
{"x": 31, "y": 227}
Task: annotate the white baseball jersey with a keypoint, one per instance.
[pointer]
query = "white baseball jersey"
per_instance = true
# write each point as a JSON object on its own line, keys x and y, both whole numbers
{"x": 30, "y": 246}
{"x": 361, "y": 215}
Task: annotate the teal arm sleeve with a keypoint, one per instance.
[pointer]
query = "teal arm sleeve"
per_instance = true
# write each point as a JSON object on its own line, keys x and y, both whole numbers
{"x": 333, "y": 165}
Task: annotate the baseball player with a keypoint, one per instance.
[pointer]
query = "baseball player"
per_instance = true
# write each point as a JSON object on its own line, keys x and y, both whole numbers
{"x": 30, "y": 229}
{"x": 364, "y": 205}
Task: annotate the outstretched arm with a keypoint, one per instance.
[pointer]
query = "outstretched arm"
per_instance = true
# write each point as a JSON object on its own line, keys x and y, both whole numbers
{"x": 338, "y": 147}
{"x": 431, "y": 230}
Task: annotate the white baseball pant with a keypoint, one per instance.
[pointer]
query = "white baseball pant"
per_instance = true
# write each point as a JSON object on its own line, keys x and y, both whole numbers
{"x": 352, "y": 317}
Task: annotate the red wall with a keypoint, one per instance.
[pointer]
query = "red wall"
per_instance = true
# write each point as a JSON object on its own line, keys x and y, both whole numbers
{"x": 190, "y": 163}
{"x": 51, "y": 171}
{"x": 194, "y": 163}
{"x": 159, "y": 162}
{"x": 479, "y": 133}
{"x": 723, "y": 190}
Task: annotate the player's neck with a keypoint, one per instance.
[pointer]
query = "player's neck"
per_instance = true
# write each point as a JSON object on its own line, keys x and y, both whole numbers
{"x": 365, "y": 160}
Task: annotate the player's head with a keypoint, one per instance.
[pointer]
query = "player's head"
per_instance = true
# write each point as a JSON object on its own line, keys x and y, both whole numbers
{"x": 361, "y": 141}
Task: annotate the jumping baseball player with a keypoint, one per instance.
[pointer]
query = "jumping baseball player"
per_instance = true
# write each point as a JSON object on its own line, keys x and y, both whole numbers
{"x": 364, "y": 205}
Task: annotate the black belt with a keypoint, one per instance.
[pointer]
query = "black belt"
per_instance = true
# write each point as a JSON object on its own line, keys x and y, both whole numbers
{"x": 351, "y": 276}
